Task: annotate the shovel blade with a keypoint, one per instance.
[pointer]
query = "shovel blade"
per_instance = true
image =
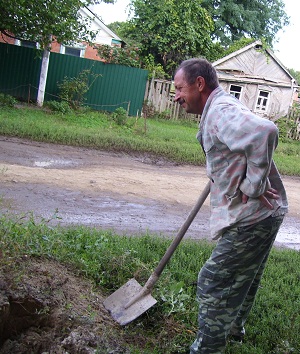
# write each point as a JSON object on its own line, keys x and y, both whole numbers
{"x": 117, "y": 301}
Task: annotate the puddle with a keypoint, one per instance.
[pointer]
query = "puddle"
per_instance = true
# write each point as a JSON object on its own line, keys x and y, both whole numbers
{"x": 53, "y": 163}
{"x": 289, "y": 236}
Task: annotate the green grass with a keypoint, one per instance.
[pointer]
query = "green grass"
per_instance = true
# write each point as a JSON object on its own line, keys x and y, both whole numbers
{"x": 110, "y": 260}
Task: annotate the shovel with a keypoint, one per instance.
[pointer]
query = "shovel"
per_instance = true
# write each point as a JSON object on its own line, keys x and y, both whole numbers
{"x": 131, "y": 300}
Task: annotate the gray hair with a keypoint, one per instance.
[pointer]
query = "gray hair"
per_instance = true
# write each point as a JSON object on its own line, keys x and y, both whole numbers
{"x": 195, "y": 67}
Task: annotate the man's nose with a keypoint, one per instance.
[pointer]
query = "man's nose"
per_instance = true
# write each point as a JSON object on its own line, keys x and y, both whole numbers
{"x": 177, "y": 96}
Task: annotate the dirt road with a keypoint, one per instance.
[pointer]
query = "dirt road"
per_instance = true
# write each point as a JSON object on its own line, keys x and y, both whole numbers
{"x": 126, "y": 193}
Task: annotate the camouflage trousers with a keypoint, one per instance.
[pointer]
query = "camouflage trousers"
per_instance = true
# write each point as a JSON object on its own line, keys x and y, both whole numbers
{"x": 228, "y": 282}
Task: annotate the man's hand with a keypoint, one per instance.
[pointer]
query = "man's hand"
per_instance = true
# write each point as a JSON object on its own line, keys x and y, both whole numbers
{"x": 264, "y": 198}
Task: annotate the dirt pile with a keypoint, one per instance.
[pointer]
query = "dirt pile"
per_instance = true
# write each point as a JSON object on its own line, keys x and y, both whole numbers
{"x": 46, "y": 308}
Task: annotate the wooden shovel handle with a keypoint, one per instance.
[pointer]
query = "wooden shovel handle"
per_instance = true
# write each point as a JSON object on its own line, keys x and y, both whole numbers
{"x": 157, "y": 272}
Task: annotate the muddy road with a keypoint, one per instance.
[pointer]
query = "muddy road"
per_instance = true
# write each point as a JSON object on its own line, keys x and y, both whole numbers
{"x": 129, "y": 194}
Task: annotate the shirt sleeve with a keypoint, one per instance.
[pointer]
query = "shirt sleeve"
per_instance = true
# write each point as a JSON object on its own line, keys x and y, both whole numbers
{"x": 254, "y": 137}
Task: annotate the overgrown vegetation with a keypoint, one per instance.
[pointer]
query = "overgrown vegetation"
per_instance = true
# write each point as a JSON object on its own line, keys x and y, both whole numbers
{"x": 7, "y": 100}
{"x": 168, "y": 327}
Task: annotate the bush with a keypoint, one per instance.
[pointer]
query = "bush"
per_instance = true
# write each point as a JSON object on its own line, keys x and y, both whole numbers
{"x": 73, "y": 89}
{"x": 119, "y": 116}
{"x": 285, "y": 127}
{"x": 7, "y": 100}
{"x": 61, "y": 107}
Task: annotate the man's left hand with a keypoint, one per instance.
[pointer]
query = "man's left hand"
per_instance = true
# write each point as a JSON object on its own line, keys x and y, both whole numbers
{"x": 264, "y": 198}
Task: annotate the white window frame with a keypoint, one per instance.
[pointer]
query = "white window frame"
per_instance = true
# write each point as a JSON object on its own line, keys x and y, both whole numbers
{"x": 236, "y": 94}
{"x": 80, "y": 48}
{"x": 19, "y": 43}
{"x": 262, "y": 101}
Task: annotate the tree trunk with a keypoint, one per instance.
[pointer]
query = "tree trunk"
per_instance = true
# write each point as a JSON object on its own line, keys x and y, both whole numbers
{"x": 43, "y": 78}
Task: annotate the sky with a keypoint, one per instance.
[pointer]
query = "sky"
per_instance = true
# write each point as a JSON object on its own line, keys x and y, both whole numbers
{"x": 287, "y": 49}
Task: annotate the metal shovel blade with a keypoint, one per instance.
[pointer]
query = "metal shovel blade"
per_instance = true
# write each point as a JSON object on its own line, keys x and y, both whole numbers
{"x": 131, "y": 300}
{"x": 117, "y": 301}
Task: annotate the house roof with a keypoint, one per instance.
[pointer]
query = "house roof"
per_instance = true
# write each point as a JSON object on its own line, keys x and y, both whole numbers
{"x": 98, "y": 24}
{"x": 230, "y": 69}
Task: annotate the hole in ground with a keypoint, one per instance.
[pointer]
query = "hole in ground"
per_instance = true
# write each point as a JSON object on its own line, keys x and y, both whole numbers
{"x": 17, "y": 315}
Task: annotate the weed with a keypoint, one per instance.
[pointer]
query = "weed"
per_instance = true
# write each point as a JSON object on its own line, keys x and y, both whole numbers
{"x": 119, "y": 116}
{"x": 7, "y": 100}
{"x": 60, "y": 107}
{"x": 175, "y": 298}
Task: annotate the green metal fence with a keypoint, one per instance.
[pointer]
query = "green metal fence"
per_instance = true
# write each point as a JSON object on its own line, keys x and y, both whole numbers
{"x": 19, "y": 71}
{"x": 116, "y": 85}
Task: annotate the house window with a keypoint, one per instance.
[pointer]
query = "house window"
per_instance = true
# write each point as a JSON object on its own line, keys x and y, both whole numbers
{"x": 236, "y": 91}
{"x": 262, "y": 101}
{"x": 74, "y": 51}
{"x": 28, "y": 44}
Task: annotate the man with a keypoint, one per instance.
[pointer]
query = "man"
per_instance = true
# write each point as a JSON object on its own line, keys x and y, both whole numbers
{"x": 248, "y": 202}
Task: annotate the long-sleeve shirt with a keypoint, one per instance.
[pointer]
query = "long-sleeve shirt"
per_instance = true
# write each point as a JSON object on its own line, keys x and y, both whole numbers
{"x": 239, "y": 148}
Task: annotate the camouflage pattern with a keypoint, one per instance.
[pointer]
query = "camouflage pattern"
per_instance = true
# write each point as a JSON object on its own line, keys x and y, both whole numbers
{"x": 239, "y": 147}
{"x": 228, "y": 283}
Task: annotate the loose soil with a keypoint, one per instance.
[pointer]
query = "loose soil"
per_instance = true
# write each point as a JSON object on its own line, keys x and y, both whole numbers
{"x": 129, "y": 194}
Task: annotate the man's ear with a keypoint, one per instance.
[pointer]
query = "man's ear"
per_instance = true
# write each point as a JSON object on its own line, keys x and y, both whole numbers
{"x": 201, "y": 83}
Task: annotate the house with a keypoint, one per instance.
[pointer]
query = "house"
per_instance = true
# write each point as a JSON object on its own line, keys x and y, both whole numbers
{"x": 80, "y": 49}
{"x": 259, "y": 80}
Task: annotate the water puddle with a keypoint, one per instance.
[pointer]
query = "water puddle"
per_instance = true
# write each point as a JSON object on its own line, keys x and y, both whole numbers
{"x": 289, "y": 236}
{"x": 53, "y": 163}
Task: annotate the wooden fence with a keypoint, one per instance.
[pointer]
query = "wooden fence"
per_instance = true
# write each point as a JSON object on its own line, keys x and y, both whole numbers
{"x": 160, "y": 94}
{"x": 294, "y": 121}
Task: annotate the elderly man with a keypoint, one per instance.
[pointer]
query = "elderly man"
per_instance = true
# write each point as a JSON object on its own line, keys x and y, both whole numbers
{"x": 248, "y": 202}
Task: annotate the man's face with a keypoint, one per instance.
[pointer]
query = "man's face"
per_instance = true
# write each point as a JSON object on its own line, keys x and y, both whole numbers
{"x": 188, "y": 96}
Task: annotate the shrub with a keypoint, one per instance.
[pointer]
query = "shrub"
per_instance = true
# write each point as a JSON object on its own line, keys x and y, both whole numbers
{"x": 119, "y": 116}
{"x": 7, "y": 100}
{"x": 285, "y": 127}
{"x": 56, "y": 106}
{"x": 73, "y": 89}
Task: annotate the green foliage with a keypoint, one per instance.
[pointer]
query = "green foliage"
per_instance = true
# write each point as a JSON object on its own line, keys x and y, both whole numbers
{"x": 285, "y": 125}
{"x": 128, "y": 56}
{"x": 155, "y": 70}
{"x": 73, "y": 89}
{"x": 234, "y": 19}
{"x": 295, "y": 74}
{"x": 238, "y": 44}
{"x": 7, "y": 100}
{"x": 109, "y": 260}
{"x": 119, "y": 116}
{"x": 175, "y": 298}
{"x": 122, "y": 29}
{"x": 170, "y": 30}
{"x": 40, "y": 21}
{"x": 56, "y": 106}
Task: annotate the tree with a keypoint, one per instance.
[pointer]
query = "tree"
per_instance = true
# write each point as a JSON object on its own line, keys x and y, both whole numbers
{"x": 122, "y": 29}
{"x": 43, "y": 21}
{"x": 170, "y": 30}
{"x": 234, "y": 19}
{"x": 295, "y": 74}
